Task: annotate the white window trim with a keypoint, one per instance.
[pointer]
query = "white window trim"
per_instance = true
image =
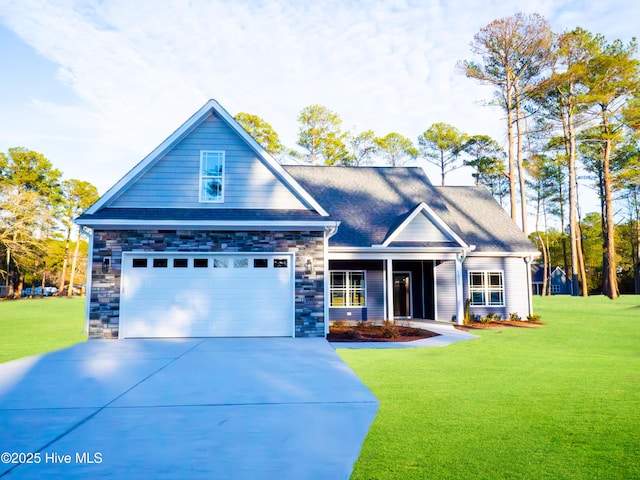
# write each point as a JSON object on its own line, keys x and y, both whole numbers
{"x": 485, "y": 288}
{"x": 348, "y": 289}
{"x": 202, "y": 177}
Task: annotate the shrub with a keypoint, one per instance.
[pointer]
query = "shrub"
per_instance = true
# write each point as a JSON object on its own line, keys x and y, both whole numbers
{"x": 491, "y": 317}
{"x": 534, "y": 317}
{"x": 338, "y": 323}
{"x": 514, "y": 317}
{"x": 390, "y": 329}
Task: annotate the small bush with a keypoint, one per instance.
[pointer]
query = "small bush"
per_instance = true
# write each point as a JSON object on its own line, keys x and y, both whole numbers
{"x": 491, "y": 317}
{"x": 534, "y": 317}
{"x": 514, "y": 317}
{"x": 390, "y": 329}
{"x": 339, "y": 323}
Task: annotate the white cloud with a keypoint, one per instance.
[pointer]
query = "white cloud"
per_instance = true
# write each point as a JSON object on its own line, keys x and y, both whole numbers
{"x": 139, "y": 69}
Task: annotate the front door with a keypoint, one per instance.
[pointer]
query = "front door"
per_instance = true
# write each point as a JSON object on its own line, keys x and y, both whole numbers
{"x": 402, "y": 294}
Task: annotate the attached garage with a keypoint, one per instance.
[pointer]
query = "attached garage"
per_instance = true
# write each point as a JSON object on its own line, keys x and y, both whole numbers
{"x": 207, "y": 295}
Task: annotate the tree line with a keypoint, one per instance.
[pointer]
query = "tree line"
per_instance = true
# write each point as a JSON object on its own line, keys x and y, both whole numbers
{"x": 571, "y": 105}
{"x": 39, "y": 244}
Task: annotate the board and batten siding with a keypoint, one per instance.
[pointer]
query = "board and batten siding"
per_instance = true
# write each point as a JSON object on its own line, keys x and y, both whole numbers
{"x": 445, "y": 290}
{"x": 421, "y": 229}
{"x": 174, "y": 180}
{"x": 516, "y": 291}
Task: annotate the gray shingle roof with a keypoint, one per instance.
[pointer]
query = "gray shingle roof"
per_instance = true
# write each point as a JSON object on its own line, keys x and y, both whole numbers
{"x": 372, "y": 201}
{"x": 483, "y": 221}
{"x": 368, "y": 201}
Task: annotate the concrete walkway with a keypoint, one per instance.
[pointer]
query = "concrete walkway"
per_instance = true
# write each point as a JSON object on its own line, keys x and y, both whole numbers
{"x": 195, "y": 408}
{"x": 447, "y": 335}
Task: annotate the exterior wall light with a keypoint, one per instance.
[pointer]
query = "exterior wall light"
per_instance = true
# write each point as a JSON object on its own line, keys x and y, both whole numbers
{"x": 106, "y": 264}
{"x": 308, "y": 265}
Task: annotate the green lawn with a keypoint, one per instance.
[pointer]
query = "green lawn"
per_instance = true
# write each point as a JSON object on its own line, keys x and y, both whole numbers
{"x": 34, "y": 326}
{"x": 557, "y": 402}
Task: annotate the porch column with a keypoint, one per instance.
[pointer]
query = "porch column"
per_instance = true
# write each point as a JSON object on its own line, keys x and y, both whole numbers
{"x": 389, "y": 289}
{"x": 459, "y": 291}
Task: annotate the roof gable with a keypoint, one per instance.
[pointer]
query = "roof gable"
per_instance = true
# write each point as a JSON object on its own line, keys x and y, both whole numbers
{"x": 175, "y": 156}
{"x": 425, "y": 226}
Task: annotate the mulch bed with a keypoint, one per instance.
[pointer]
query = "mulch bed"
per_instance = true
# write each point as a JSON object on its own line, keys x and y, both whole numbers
{"x": 500, "y": 324}
{"x": 377, "y": 333}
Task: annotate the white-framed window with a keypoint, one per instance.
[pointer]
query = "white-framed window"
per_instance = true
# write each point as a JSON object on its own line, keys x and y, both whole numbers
{"x": 348, "y": 289}
{"x": 486, "y": 288}
{"x": 211, "y": 176}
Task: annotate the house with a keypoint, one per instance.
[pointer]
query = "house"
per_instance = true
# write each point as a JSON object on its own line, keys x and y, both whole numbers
{"x": 557, "y": 279}
{"x": 209, "y": 236}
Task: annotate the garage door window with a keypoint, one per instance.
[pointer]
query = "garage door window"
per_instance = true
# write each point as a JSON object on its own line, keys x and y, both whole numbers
{"x": 220, "y": 263}
{"x": 139, "y": 263}
{"x": 180, "y": 263}
{"x": 200, "y": 262}
{"x": 260, "y": 263}
{"x": 160, "y": 263}
{"x": 241, "y": 263}
{"x": 279, "y": 263}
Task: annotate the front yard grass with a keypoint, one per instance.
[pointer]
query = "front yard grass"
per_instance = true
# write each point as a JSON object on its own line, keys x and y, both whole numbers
{"x": 557, "y": 402}
{"x": 40, "y": 325}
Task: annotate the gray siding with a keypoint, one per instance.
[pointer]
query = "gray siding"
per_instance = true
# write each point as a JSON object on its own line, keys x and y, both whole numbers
{"x": 515, "y": 284}
{"x": 421, "y": 229}
{"x": 174, "y": 180}
{"x": 375, "y": 295}
{"x": 445, "y": 291}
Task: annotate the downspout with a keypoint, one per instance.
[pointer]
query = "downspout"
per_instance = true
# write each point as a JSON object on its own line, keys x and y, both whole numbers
{"x": 328, "y": 233}
{"x": 527, "y": 261}
{"x": 459, "y": 282}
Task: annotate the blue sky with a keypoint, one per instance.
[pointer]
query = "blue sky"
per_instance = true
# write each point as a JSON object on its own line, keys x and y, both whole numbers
{"x": 96, "y": 85}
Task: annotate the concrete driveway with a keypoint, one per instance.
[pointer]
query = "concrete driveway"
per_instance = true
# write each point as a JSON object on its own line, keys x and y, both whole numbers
{"x": 224, "y": 408}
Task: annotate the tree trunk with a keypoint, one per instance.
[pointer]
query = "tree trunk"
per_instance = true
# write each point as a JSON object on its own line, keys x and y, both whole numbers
{"x": 512, "y": 168}
{"x": 521, "y": 176}
{"x": 73, "y": 266}
{"x": 65, "y": 263}
{"x": 609, "y": 268}
{"x": 573, "y": 206}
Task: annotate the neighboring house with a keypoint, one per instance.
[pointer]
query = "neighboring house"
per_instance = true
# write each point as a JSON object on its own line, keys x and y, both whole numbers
{"x": 557, "y": 279}
{"x": 209, "y": 236}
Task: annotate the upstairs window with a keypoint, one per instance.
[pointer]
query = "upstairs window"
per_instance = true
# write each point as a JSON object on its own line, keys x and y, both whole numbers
{"x": 211, "y": 176}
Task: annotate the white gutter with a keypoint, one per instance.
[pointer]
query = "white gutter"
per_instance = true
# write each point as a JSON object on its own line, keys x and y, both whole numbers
{"x": 115, "y": 224}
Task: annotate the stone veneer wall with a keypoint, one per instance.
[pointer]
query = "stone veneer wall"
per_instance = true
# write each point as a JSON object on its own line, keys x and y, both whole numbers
{"x": 105, "y": 288}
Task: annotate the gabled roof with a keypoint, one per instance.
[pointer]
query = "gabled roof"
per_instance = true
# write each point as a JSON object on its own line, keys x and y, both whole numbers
{"x": 196, "y": 119}
{"x": 373, "y": 202}
{"x": 370, "y": 202}
{"x": 448, "y": 235}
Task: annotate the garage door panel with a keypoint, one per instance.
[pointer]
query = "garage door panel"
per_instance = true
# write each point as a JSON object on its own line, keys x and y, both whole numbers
{"x": 211, "y": 301}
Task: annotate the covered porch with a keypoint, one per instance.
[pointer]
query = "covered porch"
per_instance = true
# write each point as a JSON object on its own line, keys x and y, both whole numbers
{"x": 400, "y": 286}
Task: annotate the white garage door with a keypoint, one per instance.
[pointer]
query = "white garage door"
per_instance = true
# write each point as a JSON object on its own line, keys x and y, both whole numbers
{"x": 206, "y": 295}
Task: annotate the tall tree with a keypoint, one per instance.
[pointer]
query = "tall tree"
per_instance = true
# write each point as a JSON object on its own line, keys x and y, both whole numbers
{"x": 396, "y": 149}
{"x": 362, "y": 148}
{"x": 262, "y": 132}
{"x": 78, "y": 195}
{"x": 514, "y": 52}
{"x": 485, "y": 155}
{"x": 441, "y": 145}
{"x": 613, "y": 78}
{"x": 321, "y": 135}
{"x": 28, "y": 181}
{"x": 562, "y": 96}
